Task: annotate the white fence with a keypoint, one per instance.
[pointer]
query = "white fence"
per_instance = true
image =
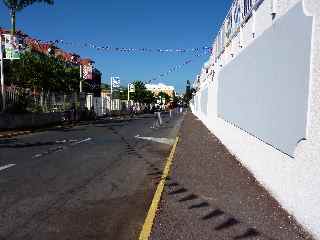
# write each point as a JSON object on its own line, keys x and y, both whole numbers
{"x": 19, "y": 99}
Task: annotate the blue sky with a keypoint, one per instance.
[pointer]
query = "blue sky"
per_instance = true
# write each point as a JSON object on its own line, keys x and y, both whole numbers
{"x": 130, "y": 24}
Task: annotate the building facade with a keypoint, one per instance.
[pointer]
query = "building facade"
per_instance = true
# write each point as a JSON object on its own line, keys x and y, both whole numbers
{"x": 157, "y": 88}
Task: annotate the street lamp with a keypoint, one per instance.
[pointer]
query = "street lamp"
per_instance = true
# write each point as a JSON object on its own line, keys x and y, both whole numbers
{"x": 2, "y": 76}
{"x": 80, "y": 83}
{"x": 131, "y": 89}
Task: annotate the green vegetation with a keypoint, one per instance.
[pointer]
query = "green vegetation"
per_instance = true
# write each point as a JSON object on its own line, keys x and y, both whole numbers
{"x": 40, "y": 72}
{"x": 105, "y": 86}
{"x": 188, "y": 96}
{"x": 38, "y": 76}
{"x": 141, "y": 93}
{"x": 165, "y": 96}
{"x": 123, "y": 95}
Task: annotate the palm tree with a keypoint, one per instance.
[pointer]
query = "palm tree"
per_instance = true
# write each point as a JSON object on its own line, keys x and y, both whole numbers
{"x": 18, "y": 5}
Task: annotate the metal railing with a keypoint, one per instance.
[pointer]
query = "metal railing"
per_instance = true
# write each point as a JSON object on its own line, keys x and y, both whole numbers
{"x": 238, "y": 15}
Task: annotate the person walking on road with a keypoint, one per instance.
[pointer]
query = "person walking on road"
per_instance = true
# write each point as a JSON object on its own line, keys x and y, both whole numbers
{"x": 131, "y": 111}
{"x": 157, "y": 118}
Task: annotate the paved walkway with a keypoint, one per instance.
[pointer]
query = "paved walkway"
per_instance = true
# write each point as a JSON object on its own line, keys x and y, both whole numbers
{"x": 211, "y": 196}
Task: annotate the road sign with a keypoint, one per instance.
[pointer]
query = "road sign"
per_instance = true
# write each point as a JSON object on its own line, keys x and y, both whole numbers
{"x": 115, "y": 82}
{"x": 12, "y": 47}
{"x": 87, "y": 71}
{"x": 132, "y": 87}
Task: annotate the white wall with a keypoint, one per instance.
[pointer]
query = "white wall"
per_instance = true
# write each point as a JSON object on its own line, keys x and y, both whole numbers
{"x": 264, "y": 90}
{"x": 294, "y": 182}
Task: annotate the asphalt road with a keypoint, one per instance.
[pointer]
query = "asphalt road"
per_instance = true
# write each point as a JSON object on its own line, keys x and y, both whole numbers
{"x": 93, "y": 181}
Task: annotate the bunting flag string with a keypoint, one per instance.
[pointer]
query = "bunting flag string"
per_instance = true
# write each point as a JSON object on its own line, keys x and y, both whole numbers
{"x": 130, "y": 50}
{"x": 202, "y": 51}
{"x": 177, "y": 67}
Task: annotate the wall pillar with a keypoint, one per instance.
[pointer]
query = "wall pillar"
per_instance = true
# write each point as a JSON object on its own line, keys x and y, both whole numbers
{"x": 310, "y": 148}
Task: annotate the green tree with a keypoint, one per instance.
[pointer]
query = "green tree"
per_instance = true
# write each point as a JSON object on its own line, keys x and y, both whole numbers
{"x": 188, "y": 96}
{"x": 71, "y": 79}
{"x": 149, "y": 97}
{"x": 123, "y": 93}
{"x": 15, "y": 6}
{"x": 165, "y": 96}
{"x": 141, "y": 93}
{"x": 22, "y": 72}
{"x": 176, "y": 100}
{"x": 105, "y": 86}
{"x": 43, "y": 73}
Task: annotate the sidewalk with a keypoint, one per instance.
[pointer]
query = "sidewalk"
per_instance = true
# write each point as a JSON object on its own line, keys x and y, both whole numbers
{"x": 211, "y": 196}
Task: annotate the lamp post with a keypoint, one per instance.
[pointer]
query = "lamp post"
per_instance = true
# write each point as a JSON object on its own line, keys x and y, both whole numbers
{"x": 2, "y": 76}
{"x": 128, "y": 95}
{"x": 80, "y": 83}
{"x": 111, "y": 86}
{"x": 128, "y": 92}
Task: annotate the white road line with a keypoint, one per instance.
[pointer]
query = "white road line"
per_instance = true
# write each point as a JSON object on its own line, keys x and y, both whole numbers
{"x": 51, "y": 150}
{"x": 6, "y": 166}
{"x": 158, "y": 140}
{"x": 60, "y": 148}
{"x": 65, "y": 141}
{"x": 82, "y": 141}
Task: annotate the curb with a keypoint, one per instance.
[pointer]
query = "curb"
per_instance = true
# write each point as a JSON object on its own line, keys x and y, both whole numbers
{"x": 14, "y": 134}
{"x": 151, "y": 215}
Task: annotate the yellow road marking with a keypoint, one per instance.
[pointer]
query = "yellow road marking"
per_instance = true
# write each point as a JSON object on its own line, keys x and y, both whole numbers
{"x": 147, "y": 226}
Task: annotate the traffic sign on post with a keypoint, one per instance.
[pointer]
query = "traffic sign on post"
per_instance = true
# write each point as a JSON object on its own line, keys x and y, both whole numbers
{"x": 132, "y": 87}
{"x": 2, "y": 76}
{"x": 115, "y": 82}
{"x": 12, "y": 47}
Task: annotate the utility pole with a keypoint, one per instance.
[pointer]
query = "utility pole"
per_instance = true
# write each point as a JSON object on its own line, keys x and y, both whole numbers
{"x": 111, "y": 93}
{"x": 128, "y": 94}
{"x": 131, "y": 88}
{"x": 82, "y": 98}
{"x": 2, "y": 76}
{"x": 80, "y": 84}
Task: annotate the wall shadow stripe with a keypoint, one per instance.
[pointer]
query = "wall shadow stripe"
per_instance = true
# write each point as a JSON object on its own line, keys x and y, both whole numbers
{"x": 214, "y": 213}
